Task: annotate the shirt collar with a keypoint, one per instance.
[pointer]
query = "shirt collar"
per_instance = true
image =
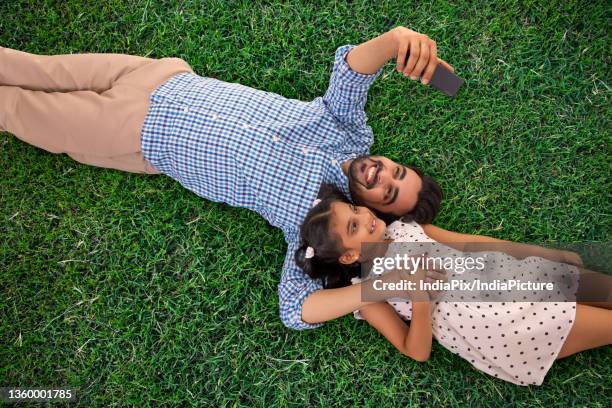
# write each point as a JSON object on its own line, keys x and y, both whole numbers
{"x": 335, "y": 176}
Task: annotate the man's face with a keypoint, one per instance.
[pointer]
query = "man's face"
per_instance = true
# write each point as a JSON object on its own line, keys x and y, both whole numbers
{"x": 384, "y": 185}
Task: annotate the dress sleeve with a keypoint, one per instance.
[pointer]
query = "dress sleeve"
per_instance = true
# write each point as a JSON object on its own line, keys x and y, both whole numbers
{"x": 295, "y": 286}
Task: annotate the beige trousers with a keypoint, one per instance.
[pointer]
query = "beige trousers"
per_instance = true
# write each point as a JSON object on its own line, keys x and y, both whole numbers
{"x": 89, "y": 106}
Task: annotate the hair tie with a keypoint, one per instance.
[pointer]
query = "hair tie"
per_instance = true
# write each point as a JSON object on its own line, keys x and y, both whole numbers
{"x": 315, "y": 202}
{"x": 309, "y": 252}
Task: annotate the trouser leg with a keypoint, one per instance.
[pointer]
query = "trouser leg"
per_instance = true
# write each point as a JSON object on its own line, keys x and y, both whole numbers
{"x": 101, "y": 129}
{"x": 68, "y": 72}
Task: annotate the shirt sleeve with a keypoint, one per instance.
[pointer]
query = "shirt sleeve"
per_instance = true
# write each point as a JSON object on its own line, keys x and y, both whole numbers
{"x": 295, "y": 286}
{"x": 347, "y": 93}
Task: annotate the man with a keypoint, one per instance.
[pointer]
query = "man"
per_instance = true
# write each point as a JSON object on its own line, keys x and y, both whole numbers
{"x": 228, "y": 142}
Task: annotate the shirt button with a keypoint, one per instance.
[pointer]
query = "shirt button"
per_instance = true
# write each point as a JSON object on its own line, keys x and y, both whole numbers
{"x": 334, "y": 162}
{"x": 214, "y": 117}
{"x": 186, "y": 109}
{"x": 305, "y": 151}
{"x": 275, "y": 138}
{"x": 245, "y": 126}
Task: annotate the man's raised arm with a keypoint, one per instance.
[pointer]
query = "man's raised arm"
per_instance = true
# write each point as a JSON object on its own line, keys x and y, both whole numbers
{"x": 369, "y": 57}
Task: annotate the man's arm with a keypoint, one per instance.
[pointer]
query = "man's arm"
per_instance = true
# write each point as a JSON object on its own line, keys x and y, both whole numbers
{"x": 357, "y": 67}
{"x": 294, "y": 287}
{"x": 369, "y": 57}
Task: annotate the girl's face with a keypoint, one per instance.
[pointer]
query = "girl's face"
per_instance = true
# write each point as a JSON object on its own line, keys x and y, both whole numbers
{"x": 354, "y": 225}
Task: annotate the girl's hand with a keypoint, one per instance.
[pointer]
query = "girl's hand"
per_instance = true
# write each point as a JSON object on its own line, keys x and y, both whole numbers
{"x": 572, "y": 258}
{"x": 423, "y": 54}
{"x": 418, "y": 295}
{"x": 433, "y": 276}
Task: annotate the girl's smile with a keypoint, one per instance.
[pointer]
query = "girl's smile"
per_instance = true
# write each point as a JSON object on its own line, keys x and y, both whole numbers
{"x": 354, "y": 226}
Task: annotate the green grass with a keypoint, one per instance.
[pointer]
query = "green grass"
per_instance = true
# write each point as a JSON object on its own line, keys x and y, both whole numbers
{"x": 140, "y": 293}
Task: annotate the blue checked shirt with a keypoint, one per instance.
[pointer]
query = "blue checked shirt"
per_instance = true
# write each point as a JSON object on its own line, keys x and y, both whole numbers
{"x": 250, "y": 148}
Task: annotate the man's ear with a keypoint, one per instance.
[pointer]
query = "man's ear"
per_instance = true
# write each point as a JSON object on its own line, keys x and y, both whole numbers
{"x": 349, "y": 257}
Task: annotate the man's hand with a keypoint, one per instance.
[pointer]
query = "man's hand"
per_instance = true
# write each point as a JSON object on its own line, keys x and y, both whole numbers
{"x": 423, "y": 54}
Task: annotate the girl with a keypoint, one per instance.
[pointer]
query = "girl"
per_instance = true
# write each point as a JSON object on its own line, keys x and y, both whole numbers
{"x": 515, "y": 341}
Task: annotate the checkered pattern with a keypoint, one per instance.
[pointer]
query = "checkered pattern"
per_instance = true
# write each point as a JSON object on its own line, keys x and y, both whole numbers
{"x": 249, "y": 148}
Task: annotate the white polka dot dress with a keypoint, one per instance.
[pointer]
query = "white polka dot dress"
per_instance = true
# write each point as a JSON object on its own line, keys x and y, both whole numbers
{"x": 514, "y": 341}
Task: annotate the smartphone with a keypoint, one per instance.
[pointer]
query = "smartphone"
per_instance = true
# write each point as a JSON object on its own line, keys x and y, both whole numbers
{"x": 445, "y": 81}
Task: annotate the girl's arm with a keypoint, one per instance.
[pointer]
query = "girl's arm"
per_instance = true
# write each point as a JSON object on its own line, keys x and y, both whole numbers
{"x": 413, "y": 341}
{"x": 328, "y": 304}
{"x": 476, "y": 243}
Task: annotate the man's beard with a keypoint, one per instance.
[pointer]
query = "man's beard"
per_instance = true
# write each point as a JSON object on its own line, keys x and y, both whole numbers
{"x": 354, "y": 171}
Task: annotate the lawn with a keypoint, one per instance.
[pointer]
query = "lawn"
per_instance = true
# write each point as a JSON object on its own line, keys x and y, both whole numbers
{"x": 138, "y": 292}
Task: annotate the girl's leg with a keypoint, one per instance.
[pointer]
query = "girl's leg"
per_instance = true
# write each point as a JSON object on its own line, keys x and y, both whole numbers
{"x": 592, "y": 328}
{"x": 65, "y": 73}
{"x": 594, "y": 288}
{"x": 605, "y": 305}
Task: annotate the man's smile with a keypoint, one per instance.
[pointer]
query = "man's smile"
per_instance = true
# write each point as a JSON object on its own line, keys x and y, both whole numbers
{"x": 370, "y": 174}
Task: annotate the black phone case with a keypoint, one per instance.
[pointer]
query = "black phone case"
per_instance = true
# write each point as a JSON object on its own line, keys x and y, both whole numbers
{"x": 445, "y": 81}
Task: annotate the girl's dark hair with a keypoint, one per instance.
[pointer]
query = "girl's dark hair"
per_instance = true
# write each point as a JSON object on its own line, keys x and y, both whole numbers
{"x": 315, "y": 233}
{"x": 426, "y": 207}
